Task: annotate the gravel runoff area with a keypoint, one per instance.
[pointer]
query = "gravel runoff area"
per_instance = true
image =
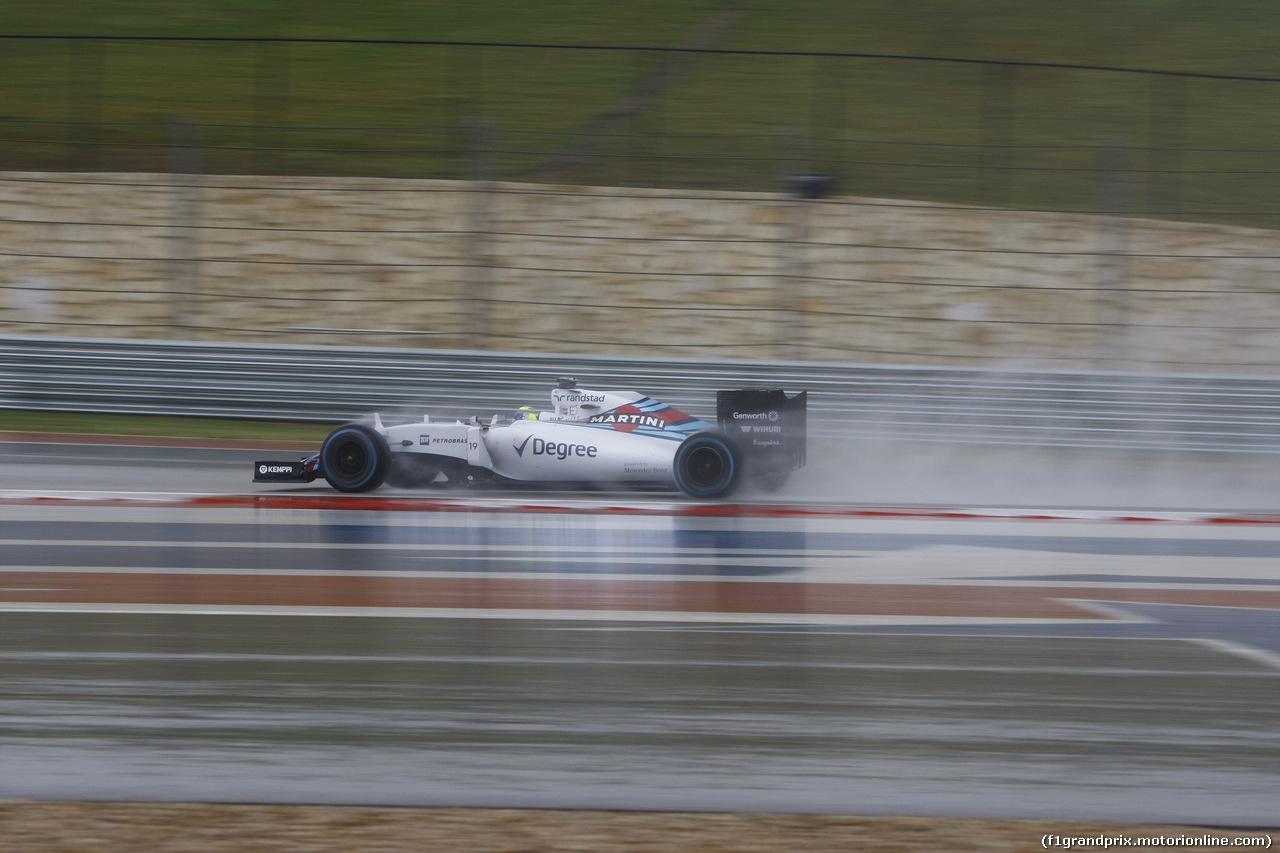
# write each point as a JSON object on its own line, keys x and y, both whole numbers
{"x": 62, "y": 827}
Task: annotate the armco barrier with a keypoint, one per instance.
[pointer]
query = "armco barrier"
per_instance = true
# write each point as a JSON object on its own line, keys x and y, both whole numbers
{"x": 1046, "y": 408}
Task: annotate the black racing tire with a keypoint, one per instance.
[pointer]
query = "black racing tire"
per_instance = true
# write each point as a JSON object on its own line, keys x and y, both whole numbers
{"x": 707, "y": 465}
{"x": 411, "y": 470}
{"x": 355, "y": 458}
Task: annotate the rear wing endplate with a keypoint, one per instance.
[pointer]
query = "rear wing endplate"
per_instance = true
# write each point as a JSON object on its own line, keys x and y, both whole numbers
{"x": 766, "y": 423}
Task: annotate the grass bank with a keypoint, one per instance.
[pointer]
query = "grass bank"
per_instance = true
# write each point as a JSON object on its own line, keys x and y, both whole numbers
{"x": 1037, "y": 137}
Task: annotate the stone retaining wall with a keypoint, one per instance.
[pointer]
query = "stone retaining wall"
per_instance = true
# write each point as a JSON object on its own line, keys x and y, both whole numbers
{"x": 446, "y": 264}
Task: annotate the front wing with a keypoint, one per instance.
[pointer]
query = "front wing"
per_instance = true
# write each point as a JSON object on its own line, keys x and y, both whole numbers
{"x": 273, "y": 471}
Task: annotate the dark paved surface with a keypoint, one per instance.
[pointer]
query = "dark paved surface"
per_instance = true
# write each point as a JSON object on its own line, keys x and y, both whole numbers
{"x": 1068, "y": 669}
{"x": 483, "y": 712}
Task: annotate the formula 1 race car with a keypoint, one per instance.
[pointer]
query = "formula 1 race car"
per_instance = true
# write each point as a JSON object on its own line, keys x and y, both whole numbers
{"x": 589, "y": 437}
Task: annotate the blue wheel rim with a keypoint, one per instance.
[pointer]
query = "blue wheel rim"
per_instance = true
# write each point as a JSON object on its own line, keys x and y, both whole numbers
{"x": 353, "y": 457}
{"x": 705, "y": 466}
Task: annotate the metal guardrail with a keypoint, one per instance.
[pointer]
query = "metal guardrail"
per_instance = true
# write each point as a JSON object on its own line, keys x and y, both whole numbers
{"x": 858, "y": 401}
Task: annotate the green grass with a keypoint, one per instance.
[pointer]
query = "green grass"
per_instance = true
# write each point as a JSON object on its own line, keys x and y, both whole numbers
{"x": 1197, "y": 149}
{"x": 108, "y": 424}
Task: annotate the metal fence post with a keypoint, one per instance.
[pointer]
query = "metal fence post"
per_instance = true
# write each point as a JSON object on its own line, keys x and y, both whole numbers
{"x": 84, "y": 104}
{"x": 1164, "y": 176}
{"x": 1114, "y": 198}
{"x": 792, "y": 283}
{"x": 827, "y": 115}
{"x": 271, "y": 104}
{"x": 658, "y": 112}
{"x": 479, "y": 203}
{"x": 999, "y": 86}
{"x": 466, "y": 94}
{"x": 184, "y": 226}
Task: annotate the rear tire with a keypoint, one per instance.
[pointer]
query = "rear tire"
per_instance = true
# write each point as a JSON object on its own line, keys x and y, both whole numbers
{"x": 707, "y": 465}
{"x": 355, "y": 458}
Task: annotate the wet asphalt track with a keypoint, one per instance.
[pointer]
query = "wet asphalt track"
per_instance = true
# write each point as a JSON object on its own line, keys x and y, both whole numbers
{"x": 640, "y": 659}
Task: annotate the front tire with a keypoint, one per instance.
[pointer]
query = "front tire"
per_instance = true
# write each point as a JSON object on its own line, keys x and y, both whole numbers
{"x": 707, "y": 465}
{"x": 355, "y": 458}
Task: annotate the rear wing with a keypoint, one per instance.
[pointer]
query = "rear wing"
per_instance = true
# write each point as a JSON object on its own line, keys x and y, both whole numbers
{"x": 766, "y": 423}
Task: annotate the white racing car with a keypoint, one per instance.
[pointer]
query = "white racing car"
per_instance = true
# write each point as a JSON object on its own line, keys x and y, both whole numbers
{"x": 589, "y": 437}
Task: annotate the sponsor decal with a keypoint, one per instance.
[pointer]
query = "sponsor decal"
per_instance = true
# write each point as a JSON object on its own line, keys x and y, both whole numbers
{"x": 756, "y": 416}
{"x": 561, "y": 449}
{"x": 556, "y": 449}
{"x": 627, "y": 421}
{"x": 426, "y": 439}
{"x": 761, "y": 442}
{"x": 275, "y": 469}
{"x": 759, "y": 428}
{"x": 629, "y": 418}
{"x": 643, "y": 468}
